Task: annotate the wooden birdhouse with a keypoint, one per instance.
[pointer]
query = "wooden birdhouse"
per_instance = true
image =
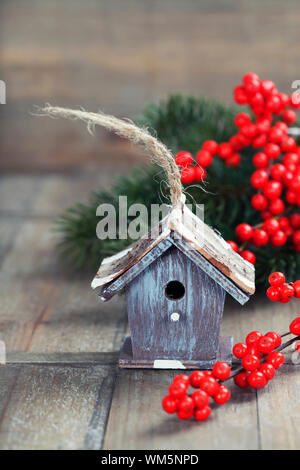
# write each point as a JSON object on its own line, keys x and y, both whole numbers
{"x": 176, "y": 278}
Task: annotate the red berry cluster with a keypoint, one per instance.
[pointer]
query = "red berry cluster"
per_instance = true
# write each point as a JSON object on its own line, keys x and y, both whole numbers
{"x": 276, "y": 178}
{"x": 197, "y": 404}
{"x": 259, "y": 359}
{"x": 280, "y": 291}
{"x": 196, "y": 173}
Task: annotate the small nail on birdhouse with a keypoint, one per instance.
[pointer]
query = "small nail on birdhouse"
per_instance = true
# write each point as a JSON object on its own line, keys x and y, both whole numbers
{"x": 176, "y": 278}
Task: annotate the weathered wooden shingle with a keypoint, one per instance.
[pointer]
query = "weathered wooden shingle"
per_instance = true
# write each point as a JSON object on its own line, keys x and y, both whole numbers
{"x": 190, "y": 234}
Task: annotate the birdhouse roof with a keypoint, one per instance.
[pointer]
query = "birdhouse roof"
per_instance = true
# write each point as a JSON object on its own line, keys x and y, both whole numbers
{"x": 199, "y": 242}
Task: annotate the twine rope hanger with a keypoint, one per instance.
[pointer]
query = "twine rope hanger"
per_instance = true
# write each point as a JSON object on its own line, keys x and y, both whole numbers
{"x": 156, "y": 150}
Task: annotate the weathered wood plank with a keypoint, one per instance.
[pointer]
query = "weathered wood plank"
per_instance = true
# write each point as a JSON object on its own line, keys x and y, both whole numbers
{"x": 58, "y": 359}
{"x": 279, "y": 411}
{"x": 54, "y": 407}
{"x": 258, "y": 314}
{"x": 45, "y": 307}
{"x": 136, "y": 404}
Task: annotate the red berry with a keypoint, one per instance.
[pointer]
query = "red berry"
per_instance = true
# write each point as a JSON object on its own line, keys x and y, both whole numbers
{"x": 263, "y": 125}
{"x": 202, "y": 414}
{"x": 291, "y": 157}
{"x": 252, "y": 349}
{"x": 225, "y": 150}
{"x": 295, "y": 100}
{"x": 273, "y": 103}
{"x": 248, "y": 256}
{"x": 221, "y": 370}
{"x": 234, "y": 160}
{"x": 284, "y": 223}
{"x": 259, "y": 178}
{"x": 276, "y": 206}
{"x": 289, "y": 116}
{"x": 296, "y": 286}
{"x": 211, "y": 146}
{"x": 260, "y": 160}
{"x": 271, "y": 226}
{"x": 259, "y": 202}
{"x": 186, "y": 404}
{"x": 276, "y": 279}
{"x": 241, "y": 119}
{"x": 276, "y": 337}
{"x": 260, "y": 237}
{"x": 183, "y": 158}
{"x": 185, "y": 414}
{"x": 291, "y": 197}
{"x": 257, "y": 380}
{"x": 276, "y": 134}
{"x": 248, "y": 130}
{"x": 278, "y": 171}
{"x": 287, "y": 292}
{"x": 253, "y": 337}
{"x": 209, "y": 385}
{"x": 273, "y": 294}
{"x": 222, "y": 396}
{"x": 275, "y": 358}
{"x": 266, "y": 87}
{"x": 268, "y": 370}
{"x": 241, "y": 380}
{"x": 239, "y": 350}
{"x": 272, "y": 189}
{"x": 169, "y": 404}
{"x": 278, "y": 239}
{"x": 265, "y": 344}
{"x": 272, "y": 150}
{"x": 250, "y": 362}
{"x": 178, "y": 389}
{"x": 188, "y": 175}
{"x": 196, "y": 377}
{"x": 233, "y": 245}
{"x": 288, "y": 144}
{"x": 244, "y": 232}
{"x": 200, "y": 399}
{"x": 182, "y": 378}
{"x": 204, "y": 158}
{"x": 296, "y": 238}
{"x": 285, "y": 100}
{"x": 295, "y": 326}
{"x": 295, "y": 220}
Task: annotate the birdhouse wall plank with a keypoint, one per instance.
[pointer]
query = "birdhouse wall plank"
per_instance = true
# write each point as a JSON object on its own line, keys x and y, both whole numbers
{"x": 109, "y": 290}
{"x": 196, "y": 333}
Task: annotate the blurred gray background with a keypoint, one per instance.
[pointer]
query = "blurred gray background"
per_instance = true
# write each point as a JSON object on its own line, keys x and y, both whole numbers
{"x": 119, "y": 55}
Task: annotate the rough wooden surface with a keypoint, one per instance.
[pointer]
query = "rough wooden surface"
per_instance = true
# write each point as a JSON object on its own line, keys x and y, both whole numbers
{"x": 63, "y": 344}
{"x": 120, "y": 55}
{"x": 195, "y": 336}
{"x": 61, "y": 387}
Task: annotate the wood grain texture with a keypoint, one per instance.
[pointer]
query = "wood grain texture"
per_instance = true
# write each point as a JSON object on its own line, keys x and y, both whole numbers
{"x": 120, "y": 55}
{"x": 127, "y": 361}
{"x": 47, "y": 308}
{"x": 154, "y": 336}
{"x": 54, "y": 407}
{"x": 136, "y": 404}
{"x": 279, "y": 410}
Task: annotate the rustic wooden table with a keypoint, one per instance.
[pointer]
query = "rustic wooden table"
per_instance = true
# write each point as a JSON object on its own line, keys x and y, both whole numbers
{"x": 61, "y": 387}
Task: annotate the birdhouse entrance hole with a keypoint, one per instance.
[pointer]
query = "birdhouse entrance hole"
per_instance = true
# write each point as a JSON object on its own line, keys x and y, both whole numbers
{"x": 175, "y": 290}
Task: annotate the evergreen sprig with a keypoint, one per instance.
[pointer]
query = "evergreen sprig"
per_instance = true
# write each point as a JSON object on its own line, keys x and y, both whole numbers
{"x": 181, "y": 122}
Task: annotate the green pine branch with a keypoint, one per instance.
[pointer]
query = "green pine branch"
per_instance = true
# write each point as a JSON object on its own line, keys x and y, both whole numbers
{"x": 181, "y": 122}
